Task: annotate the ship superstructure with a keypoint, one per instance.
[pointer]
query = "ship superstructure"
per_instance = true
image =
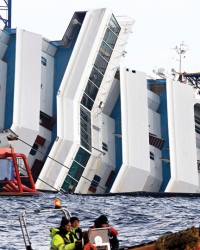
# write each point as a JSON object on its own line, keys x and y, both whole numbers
{"x": 87, "y": 124}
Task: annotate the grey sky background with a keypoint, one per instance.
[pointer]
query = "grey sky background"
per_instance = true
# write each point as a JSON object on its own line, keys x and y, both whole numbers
{"x": 159, "y": 26}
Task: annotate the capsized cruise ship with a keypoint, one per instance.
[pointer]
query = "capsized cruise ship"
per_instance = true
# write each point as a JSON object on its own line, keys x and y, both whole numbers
{"x": 88, "y": 125}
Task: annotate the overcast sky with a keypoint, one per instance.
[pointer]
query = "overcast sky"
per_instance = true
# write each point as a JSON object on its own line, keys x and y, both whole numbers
{"x": 159, "y": 26}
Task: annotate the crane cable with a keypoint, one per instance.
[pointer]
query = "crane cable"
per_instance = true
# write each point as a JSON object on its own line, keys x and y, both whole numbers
{"x": 58, "y": 163}
{"x": 64, "y": 192}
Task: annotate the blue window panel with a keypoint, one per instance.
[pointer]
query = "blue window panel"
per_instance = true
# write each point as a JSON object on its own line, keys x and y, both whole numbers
{"x": 34, "y": 149}
{"x": 76, "y": 171}
{"x": 95, "y": 181}
{"x": 43, "y": 61}
{"x": 69, "y": 184}
{"x": 82, "y": 157}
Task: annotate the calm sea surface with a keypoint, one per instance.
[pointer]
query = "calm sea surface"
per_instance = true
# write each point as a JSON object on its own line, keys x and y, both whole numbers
{"x": 138, "y": 219}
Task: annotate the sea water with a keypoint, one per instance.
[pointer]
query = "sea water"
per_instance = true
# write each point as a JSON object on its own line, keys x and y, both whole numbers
{"x": 138, "y": 219}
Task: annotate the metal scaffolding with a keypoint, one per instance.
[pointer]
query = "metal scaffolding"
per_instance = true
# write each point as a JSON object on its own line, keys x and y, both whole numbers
{"x": 5, "y": 13}
{"x": 193, "y": 78}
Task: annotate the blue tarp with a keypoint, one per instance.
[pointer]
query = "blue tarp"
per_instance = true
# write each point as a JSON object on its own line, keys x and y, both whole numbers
{"x": 6, "y": 169}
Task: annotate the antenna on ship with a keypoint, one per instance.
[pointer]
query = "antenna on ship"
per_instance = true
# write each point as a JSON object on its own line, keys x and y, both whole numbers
{"x": 181, "y": 50}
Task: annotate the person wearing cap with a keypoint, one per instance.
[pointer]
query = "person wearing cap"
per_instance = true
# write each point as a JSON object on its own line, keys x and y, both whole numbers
{"x": 62, "y": 237}
{"x": 75, "y": 229}
{"x": 101, "y": 222}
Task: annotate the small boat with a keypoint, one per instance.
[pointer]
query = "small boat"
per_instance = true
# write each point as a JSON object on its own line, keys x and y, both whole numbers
{"x": 98, "y": 239}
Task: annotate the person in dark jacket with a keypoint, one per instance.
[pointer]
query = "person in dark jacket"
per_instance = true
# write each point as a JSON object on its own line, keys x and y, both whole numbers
{"x": 101, "y": 222}
{"x": 62, "y": 237}
{"x": 75, "y": 228}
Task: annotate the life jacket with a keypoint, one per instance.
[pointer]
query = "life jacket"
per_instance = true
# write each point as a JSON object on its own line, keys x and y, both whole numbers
{"x": 77, "y": 232}
{"x": 61, "y": 240}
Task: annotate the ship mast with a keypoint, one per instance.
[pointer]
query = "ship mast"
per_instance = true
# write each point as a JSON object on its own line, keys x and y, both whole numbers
{"x": 181, "y": 50}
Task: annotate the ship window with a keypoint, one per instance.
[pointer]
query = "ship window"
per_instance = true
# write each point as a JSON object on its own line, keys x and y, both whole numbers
{"x": 198, "y": 166}
{"x": 96, "y": 77}
{"x": 76, "y": 170}
{"x": 82, "y": 157}
{"x": 151, "y": 156}
{"x": 47, "y": 121}
{"x": 87, "y": 102}
{"x": 34, "y": 149}
{"x": 43, "y": 61}
{"x": 197, "y": 119}
{"x": 85, "y": 128}
{"x": 91, "y": 90}
{"x": 110, "y": 38}
{"x": 85, "y": 115}
{"x": 100, "y": 64}
{"x": 85, "y": 139}
{"x": 197, "y": 129}
{"x": 105, "y": 51}
{"x": 95, "y": 181}
{"x": 114, "y": 26}
{"x": 69, "y": 185}
{"x": 104, "y": 146}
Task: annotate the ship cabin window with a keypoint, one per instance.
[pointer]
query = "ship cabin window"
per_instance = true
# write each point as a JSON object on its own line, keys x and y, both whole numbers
{"x": 94, "y": 184}
{"x": 104, "y": 146}
{"x": 85, "y": 122}
{"x": 110, "y": 38}
{"x": 105, "y": 51}
{"x": 96, "y": 77}
{"x": 43, "y": 61}
{"x": 34, "y": 149}
{"x": 47, "y": 121}
{"x": 151, "y": 156}
{"x": 82, "y": 157}
{"x": 76, "y": 170}
{"x": 197, "y": 129}
{"x": 198, "y": 166}
{"x": 100, "y": 64}
{"x": 114, "y": 26}
{"x": 95, "y": 181}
